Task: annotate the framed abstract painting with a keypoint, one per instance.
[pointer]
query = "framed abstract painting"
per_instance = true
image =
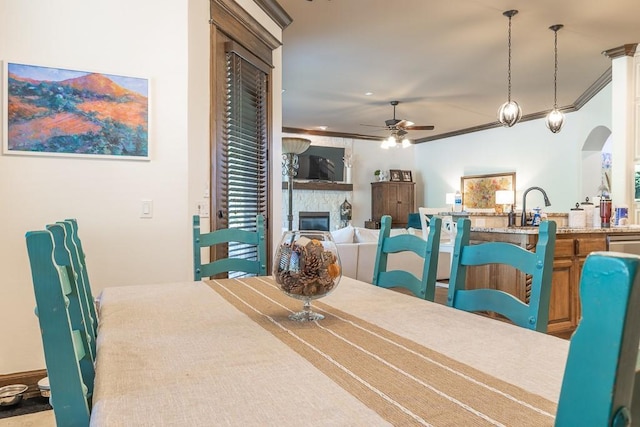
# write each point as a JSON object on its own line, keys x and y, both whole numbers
{"x": 60, "y": 112}
{"x": 479, "y": 191}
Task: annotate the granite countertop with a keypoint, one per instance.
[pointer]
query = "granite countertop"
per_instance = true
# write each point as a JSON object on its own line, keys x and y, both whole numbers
{"x": 503, "y": 214}
{"x": 561, "y": 230}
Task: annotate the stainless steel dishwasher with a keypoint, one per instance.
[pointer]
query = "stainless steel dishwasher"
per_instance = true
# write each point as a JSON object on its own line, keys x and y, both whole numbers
{"x": 626, "y": 244}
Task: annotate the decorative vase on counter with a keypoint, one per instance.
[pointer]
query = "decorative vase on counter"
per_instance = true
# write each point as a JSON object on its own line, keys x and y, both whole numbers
{"x": 577, "y": 217}
{"x": 589, "y": 210}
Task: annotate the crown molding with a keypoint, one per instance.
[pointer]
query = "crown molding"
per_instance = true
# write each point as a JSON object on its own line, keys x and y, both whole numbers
{"x": 624, "y": 50}
{"x": 591, "y": 91}
{"x": 331, "y": 134}
{"x": 275, "y": 12}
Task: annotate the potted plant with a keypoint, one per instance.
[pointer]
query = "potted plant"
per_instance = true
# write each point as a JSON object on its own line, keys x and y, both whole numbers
{"x": 377, "y": 174}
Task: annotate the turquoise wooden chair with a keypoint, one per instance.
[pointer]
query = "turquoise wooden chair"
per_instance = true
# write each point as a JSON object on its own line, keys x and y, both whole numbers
{"x": 599, "y": 378}
{"x": 538, "y": 264}
{"x": 80, "y": 267}
{"x": 428, "y": 250}
{"x": 256, "y": 265}
{"x": 79, "y": 306}
{"x": 64, "y": 338}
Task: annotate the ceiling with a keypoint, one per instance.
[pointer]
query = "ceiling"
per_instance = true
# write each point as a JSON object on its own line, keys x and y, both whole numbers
{"x": 445, "y": 61}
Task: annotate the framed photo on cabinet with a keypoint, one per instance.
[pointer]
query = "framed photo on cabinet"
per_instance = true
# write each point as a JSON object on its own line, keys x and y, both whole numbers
{"x": 396, "y": 175}
{"x": 406, "y": 176}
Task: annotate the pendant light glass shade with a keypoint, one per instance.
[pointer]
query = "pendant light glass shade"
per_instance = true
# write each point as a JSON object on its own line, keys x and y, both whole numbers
{"x": 510, "y": 112}
{"x": 555, "y": 118}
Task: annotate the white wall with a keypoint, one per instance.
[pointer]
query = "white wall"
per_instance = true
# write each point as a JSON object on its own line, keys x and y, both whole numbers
{"x": 166, "y": 42}
{"x": 539, "y": 157}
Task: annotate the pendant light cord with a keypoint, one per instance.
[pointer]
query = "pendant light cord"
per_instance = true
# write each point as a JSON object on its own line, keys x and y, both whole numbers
{"x": 555, "y": 72}
{"x": 555, "y": 29}
{"x": 509, "y": 64}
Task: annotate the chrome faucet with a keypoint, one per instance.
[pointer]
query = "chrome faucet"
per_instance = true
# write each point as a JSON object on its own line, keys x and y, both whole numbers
{"x": 523, "y": 220}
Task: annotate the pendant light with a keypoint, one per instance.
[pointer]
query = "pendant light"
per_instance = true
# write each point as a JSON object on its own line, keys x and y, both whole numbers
{"x": 510, "y": 112}
{"x": 555, "y": 118}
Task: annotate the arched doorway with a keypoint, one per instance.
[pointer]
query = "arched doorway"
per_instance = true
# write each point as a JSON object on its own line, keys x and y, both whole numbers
{"x": 596, "y": 162}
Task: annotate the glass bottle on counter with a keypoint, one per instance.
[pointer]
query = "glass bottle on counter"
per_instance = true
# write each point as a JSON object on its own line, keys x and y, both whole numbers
{"x": 605, "y": 213}
{"x": 535, "y": 222}
{"x": 458, "y": 202}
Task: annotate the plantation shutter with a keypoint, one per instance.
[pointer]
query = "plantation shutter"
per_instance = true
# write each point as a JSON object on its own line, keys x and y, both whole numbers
{"x": 244, "y": 171}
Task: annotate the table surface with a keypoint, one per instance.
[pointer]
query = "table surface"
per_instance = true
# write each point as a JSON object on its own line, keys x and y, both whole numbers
{"x": 189, "y": 353}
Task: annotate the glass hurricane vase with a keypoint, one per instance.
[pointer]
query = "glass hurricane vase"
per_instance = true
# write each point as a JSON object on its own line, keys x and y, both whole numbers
{"x": 307, "y": 267}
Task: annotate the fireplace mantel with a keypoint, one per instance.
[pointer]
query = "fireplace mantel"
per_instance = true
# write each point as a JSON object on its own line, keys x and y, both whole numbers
{"x": 318, "y": 185}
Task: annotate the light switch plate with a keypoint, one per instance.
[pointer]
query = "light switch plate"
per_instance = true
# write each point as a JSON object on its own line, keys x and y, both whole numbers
{"x": 146, "y": 208}
{"x": 202, "y": 209}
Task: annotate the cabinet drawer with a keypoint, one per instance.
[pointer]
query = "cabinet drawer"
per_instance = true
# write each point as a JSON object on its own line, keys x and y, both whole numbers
{"x": 579, "y": 247}
{"x": 564, "y": 248}
{"x": 587, "y": 245}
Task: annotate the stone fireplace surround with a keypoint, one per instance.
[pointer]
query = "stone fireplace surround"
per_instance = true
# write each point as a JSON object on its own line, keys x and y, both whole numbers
{"x": 316, "y": 200}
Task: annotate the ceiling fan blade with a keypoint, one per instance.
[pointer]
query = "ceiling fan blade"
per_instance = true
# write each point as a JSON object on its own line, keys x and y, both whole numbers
{"x": 427, "y": 127}
{"x": 404, "y": 124}
{"x": 374, "y": 126}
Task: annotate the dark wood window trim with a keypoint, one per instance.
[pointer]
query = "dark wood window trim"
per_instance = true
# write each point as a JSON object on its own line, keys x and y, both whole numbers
{"x": 231, "y": 19}
{"x": 234, "y": 30}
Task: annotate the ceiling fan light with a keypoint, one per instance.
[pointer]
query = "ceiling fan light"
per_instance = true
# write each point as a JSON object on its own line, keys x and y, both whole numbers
{"x": 406, "y": 143}
{"x": 509, "y": 113}
{"x": 385, "y": 145}
{"x": 555, "y": 120}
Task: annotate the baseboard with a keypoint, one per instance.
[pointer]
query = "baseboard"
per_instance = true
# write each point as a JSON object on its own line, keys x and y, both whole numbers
{"x": 29, "y": 378}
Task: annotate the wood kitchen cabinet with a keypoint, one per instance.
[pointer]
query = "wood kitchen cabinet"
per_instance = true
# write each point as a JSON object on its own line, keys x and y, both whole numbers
{"x": 569, "y": 256}
{"x": 393, "y": 198}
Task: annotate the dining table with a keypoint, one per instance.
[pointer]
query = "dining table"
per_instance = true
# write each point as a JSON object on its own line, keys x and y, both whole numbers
{"x": 224, "y": 352}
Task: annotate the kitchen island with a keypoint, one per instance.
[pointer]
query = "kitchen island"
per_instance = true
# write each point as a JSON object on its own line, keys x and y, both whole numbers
{"x": 572, "y": 247}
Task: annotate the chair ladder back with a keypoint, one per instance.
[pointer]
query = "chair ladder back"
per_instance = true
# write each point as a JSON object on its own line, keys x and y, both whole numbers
{"x": 428, "y": 250}
{"x": 229, "y": 235}
{"x": 598, "y": 383}
{"x": 430, "y": 267}
{"x": 538, "y": 264}
{"x": 499, "y": 253}
{"x": 70, "y": 370}
{"x": 542, "y": 276}
{"x": 78, "y": 259}
{"x": 77, "y": 303}
{"x": 197, "y": 256}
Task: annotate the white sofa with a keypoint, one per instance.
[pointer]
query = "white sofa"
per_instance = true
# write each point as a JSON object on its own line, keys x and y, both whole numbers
{"x": 357, "y": 249}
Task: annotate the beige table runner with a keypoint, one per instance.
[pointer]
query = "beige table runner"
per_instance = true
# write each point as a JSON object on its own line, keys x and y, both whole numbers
{"x": 404, "y": 382}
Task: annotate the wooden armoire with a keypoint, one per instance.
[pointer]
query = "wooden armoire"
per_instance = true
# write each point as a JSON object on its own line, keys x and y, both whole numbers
{"x": 393, "y": 198}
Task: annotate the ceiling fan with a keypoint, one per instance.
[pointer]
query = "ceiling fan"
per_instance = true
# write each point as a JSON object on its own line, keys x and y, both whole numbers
{"x": 399, "y": 128}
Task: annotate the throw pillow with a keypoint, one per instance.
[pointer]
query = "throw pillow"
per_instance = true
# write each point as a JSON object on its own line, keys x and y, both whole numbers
{"x": 366, "y": 235}
{"x": 343, "y": 235}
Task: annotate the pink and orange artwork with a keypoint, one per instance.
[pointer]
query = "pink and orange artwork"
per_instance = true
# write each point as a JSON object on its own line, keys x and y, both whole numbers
{"x": 479, "y": 191}
{"x": 57, "y": 111}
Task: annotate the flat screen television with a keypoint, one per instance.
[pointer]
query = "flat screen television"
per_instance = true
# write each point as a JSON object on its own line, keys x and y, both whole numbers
{"x": 320, "y": 163}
